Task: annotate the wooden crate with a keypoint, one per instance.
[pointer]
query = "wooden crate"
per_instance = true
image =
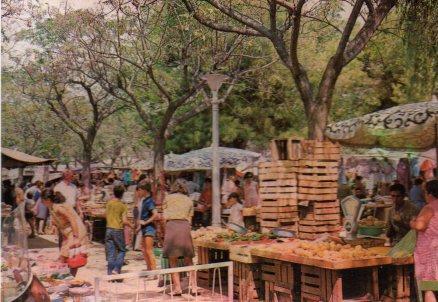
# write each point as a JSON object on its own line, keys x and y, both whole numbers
{"x": 278, "y": 194}
{"x": 278, "y": 170}
{"x": 285, "y": 149}
{"x": 275, "y": 293}
{"x": 206, "y": 256}
{"x": 311, "y": 149}
{"x": 318, "y": 284}
{"x": 247, "y": 280}
{"x": 318, "y": 189}
{"x": 278, "y": 278}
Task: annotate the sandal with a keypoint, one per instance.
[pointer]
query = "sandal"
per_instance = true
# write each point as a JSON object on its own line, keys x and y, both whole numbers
{"x": 195, "y": 293}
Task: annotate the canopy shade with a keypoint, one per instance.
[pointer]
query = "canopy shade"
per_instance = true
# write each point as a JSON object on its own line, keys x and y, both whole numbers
{"x": 15, "y": 159}
{"x": 202, "y": 159}
{"x": 411, "y": 127}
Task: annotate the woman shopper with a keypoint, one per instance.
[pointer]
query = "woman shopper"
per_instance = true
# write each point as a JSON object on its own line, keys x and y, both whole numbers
{"x": 147, "y": 214}
{"x": 178, "y": 213}
{"x": 426, "y": 225}
{"x": 68, "y": 222}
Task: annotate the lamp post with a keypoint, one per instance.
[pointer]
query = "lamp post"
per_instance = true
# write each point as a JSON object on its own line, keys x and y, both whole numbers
{"x": 215, "y": 81}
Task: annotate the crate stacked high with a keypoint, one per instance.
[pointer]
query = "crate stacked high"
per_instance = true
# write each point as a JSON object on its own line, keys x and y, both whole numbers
{"x": 278, "y": 194}
{"x": 318, "y": 188}
{"x": 298, "y": 189}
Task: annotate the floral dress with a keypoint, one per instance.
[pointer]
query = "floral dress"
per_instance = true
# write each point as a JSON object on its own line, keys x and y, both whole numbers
{"x": 426, "y": 255}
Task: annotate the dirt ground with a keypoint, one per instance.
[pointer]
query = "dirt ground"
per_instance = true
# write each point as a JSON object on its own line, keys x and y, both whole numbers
{"x": 134, "y": 289}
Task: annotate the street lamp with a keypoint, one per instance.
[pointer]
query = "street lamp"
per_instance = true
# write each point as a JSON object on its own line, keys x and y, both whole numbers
{"x": 215, "y": 81}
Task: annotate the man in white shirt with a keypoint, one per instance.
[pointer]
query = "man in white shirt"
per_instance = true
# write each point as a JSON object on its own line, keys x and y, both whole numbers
{"x": 69, "y": 190}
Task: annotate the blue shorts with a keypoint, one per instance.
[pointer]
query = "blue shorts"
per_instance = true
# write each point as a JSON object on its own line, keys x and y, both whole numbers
{"x": 148, "y": 230}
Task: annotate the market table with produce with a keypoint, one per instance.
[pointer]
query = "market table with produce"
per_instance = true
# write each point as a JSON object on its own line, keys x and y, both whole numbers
{"x": 324, "y": 269}
{"x": 215, "y": 244}
{"x": 269, "y": 268}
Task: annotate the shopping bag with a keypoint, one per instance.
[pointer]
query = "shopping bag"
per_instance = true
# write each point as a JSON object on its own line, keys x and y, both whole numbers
{"x": 77, "y": 257}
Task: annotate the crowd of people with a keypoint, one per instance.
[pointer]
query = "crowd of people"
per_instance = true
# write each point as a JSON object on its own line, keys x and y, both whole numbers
{"x": 413, "y": 209}
{"x": 60, "y": 205}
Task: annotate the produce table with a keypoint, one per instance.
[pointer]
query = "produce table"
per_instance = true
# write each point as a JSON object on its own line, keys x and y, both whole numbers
{"x": 322, "y": 279}
{"x": 247, "y": 269}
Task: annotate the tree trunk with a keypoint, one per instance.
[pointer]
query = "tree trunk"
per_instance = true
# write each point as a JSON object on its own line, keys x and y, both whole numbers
{"x": 317, "y": 121}
{"x": 86, "y": 166}
{"x": 319, "y": 110}
{"x": 159, "y": 181}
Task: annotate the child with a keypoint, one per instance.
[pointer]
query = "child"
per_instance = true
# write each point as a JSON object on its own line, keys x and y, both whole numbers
{"x": 116, "y": 219}
{"x": 235, "y": 206}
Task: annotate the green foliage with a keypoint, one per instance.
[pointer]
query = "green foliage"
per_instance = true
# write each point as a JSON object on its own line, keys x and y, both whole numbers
{"x": 398, "y": 66}
{"x": 419, "y": 23}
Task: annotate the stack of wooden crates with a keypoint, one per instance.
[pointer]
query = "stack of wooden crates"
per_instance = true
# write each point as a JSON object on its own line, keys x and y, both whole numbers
{"x": 298, "y": 189}
{"x": 279, "y": 195}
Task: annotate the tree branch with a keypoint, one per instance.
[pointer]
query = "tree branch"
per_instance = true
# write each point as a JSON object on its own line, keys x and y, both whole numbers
{"x": 358, "y": 43}
{"x": 220, "y": 27}
{"x": 160, "y": 87}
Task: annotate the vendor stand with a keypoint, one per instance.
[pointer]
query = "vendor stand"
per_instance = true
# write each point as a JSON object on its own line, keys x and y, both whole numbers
{"x": 218, "y": 245}
{"x": 18, "y": 281}
{"x": 322, "y": 279}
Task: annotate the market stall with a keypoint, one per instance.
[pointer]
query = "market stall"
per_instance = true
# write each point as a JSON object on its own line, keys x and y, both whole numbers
{"x": 324, "y": 268}
{"x": 15, "y": 159}
{"x": 16, "y": 276}
{"x": 217, "y": 245}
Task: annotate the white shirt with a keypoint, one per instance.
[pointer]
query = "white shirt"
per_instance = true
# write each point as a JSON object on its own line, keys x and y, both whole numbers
{"x": 69, "y": 191}
{"x": 236, "y": 216}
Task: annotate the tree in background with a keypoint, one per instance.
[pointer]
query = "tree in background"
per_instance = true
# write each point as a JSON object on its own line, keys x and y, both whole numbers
{"x": 284, "y": 23}
{"x": 152, "y": 57}
{"x": 121, "y": 141}
{"x": 33, "y": 129}
{"x": 48, "y": 76}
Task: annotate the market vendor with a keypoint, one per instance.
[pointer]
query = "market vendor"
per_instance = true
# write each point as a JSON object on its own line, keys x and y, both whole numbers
{"x": 401, "y": 214}
{"x": 236, "y": 207}
{"x": 228, "y": 187}
{"x": 205, "y": 201}
{"x": 250, "y": 191}
{"x": 359, "y": 187}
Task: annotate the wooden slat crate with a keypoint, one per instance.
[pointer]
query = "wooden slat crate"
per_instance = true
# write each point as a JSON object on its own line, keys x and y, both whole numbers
{"x": 318, "y": 189}
{"x": 275, "y": 293}
{"x": 278, "y": 194}
{"x": 278, "y": 278}
{"x": 311, "y": 149}
{"x": 319, "y": 284}
{"x": 278, "y": 170}
{"x": 248, "y": 285}
{"x": 285, "y": 149}
{"x": 206, "y": 256}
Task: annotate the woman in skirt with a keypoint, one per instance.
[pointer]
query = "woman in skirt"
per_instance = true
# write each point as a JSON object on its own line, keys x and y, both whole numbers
{"x": 178, "y": 213}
